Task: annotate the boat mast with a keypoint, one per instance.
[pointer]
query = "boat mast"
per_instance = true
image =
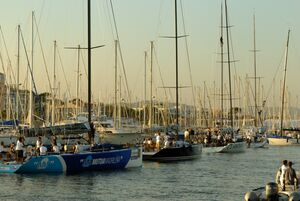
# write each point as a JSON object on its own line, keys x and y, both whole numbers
{"x": 77, "y": 81}
{"x": 229, "y": 70}
{"x": 254, "y": 64}
{"x": 18, "y": 76}
{"x": 151, "y": 85}
{"x": 120, "y": 103}
{"x": 89, "y": 66}
{"x": 222, "y": 69}
{"x": 176, "y": 60}
{"x": 116, "y": 84}
{"x": 284, "y": 78}
{"x": 30, "y": 115}
{"x": 53, "y": 89}
{"x": 145, "y": 87}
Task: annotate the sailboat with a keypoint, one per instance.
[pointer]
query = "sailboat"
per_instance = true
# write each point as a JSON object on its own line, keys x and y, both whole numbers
{"x": 91, "y": 158}
{"x": 254, "y": 133}
{"x": 235, "y": 146}
{"x": 112, "y": 131}
{"x": 281, "y": 139}
{"x": 179, "y": 150}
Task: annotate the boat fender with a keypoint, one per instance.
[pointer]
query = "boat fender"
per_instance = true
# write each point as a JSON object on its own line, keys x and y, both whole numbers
{"x": 272, "y": 191}
{"x": 295, "y": 196}
{"x": 251, "y": 196}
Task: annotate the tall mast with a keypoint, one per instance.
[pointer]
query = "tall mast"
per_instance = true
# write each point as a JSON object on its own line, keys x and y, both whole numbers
{"x": 30, "y": 113}
{"x": 89, "y": 62}
{"x": 229, "y": 70}
{"x": 151, "y": 85}
{"x": 222, "y": 69}
{"x": 255, "y": 85}
{"x": 120, "y": 103}
{"x": 53, "y": 89}
{"x": 116, "y": 84}
{"x": 176, "y": 59}
{"x": 284, "y": 78}
{"x": 77, "y": 80}
{"x": 89, "y": 69}
{"x": 145, "y": 87}
{"x": 18, "y": 76}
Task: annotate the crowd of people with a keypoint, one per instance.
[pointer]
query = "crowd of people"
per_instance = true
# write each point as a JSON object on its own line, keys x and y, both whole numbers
{"x": 164, "y": 141}
{"x": 208, "y": 137}
{"x": 19, "y": 151}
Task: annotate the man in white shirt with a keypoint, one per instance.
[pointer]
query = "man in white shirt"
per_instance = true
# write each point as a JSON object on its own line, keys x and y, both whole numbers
{"x": 186, "y": 135}
{"x": 158, "y": 141}
{"x": 55, "y": 148}
{"x": 43, "y": 150}
{"x": 19, "y": 149}
{"x": 283, "y": 169}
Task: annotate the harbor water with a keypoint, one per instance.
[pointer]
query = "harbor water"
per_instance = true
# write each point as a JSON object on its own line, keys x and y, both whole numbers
{"x": 213, "y": 177}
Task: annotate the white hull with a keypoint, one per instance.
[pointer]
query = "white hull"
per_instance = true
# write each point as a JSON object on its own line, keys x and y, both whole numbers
{"x": 136, "y": 159}
{"x": 283, "y": 141}
{"x": 236, "y": 147}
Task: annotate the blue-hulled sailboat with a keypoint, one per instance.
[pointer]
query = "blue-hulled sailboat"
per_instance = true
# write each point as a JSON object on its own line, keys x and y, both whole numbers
{"x": 92, "y": 159}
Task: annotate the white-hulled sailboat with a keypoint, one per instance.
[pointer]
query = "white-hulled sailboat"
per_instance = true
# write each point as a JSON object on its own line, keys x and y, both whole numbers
{"x": 236, "y": 145}
{"x": 281, "y": 139}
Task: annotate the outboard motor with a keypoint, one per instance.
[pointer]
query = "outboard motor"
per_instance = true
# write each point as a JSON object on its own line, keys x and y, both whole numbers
{"x": 272, "y": 191}
{"x": 294, "y": 197}
{"x": 251, "y": 196}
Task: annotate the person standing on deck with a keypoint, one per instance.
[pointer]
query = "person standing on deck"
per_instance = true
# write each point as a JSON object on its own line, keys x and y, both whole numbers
{"x": 186, "y": 135}
{"x": 38, "y": 144}
{"x": 158, "y": 141}
{"x": 55, "y": 148}
{"x": 19, "y": 150}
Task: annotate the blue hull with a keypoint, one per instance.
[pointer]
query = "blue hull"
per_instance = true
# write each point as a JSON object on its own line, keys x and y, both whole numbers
{"x": 92, "y": 161}
{"x": 72, "y": 163}
{"x": 43, "y": 164}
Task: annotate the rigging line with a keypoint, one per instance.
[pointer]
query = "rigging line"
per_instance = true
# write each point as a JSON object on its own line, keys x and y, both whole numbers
{"x": 276, "y": 72}
{"x": 188, "y": 55}
{"x": 120, "y": 51}
{"x": 9, "y": 60}
{"x": 85, "y": 69}
{"x": 208, "y": 98}
{"x": 28, "y": 63}
{"x": 110, "y": 21}
{"x": 64, "y": 74}
{"x": 84, "y": 64}
{"x": 231, "y": 43}
{"x": 232, "y": 52}
{"x": 2, "y": 64}
{"x": 160, "y": 74}
{"x": 252, "y": 93}
{"x": 43, "y": 55}
{"x": 159, "y": 18}
{"x": 42, "y": 11}
{"x": 18, "y": 100}
{"x": 161, "y": 78}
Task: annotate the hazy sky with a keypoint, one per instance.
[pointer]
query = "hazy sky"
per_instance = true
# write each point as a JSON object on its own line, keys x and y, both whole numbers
{"x": 142, "y": 21}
